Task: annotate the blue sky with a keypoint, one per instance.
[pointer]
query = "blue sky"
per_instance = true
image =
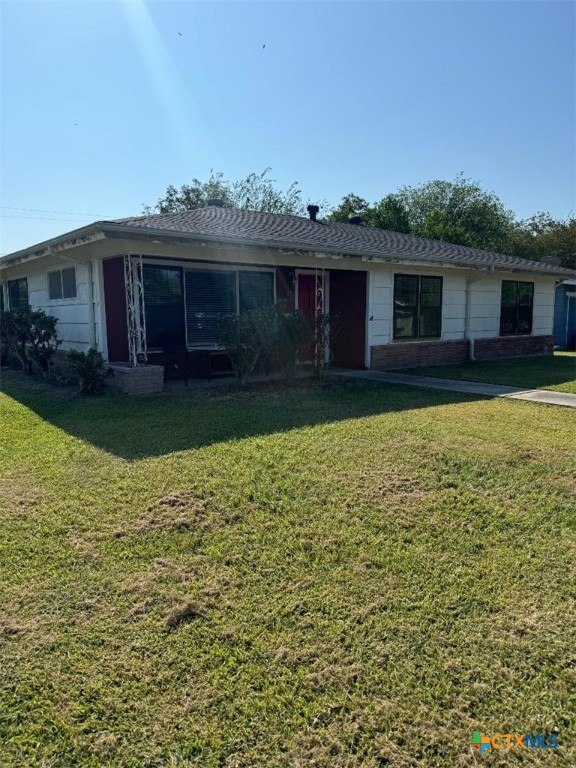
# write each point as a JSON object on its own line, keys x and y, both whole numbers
{"x": 104, "y": 103}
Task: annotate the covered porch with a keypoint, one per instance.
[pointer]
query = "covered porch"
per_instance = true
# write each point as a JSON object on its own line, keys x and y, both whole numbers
{"x": 164, "y": 311}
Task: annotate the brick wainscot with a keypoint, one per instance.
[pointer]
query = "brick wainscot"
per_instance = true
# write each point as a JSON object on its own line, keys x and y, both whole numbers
{"x": 417, "y": 354}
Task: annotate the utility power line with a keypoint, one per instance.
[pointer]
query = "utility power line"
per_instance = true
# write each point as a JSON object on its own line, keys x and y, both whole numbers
{"x": 40, "y": 210}
{"x": 43, "y": 218}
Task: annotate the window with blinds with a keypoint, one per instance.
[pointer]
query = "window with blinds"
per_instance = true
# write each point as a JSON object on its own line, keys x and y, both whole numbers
{"x": 255, "y": 290}
{"x": 417, "y": 307}
{"x": 212, "y": 294}
{"x": 164, "y": 307}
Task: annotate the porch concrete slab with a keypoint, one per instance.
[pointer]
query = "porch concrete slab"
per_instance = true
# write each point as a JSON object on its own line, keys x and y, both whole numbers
{"x": 467, "y": 387}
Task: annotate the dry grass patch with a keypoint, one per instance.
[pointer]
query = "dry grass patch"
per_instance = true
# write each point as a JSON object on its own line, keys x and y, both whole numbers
{"x": 356, "y": 577}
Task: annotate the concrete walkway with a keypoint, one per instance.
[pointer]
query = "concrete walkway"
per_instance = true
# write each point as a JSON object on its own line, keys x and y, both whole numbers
{"x": 547, "y": 396}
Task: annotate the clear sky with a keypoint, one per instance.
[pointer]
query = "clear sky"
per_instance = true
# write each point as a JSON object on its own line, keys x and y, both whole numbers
{"x": 105, "y": 103}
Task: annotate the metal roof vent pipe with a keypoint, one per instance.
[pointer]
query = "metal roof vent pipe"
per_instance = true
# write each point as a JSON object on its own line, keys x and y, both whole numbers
{"x": 216, "y": 202}
{"x": 313, "y": 212}
{"x": 356, "y": 220}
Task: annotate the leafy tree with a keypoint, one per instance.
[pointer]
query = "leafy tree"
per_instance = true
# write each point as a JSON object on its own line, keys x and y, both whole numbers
{"x": 351, "y": 205}
{"x": 458, "y": 211}
{"x": 543, "y": 237}
{"x": 255, "y": 192}
{"x": 194, "y": 195}
{"x": 389, "y": 213}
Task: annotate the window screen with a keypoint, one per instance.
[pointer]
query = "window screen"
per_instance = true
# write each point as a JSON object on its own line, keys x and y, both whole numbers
{"x": 417, "y": 307}
{"x": 54, "y": 285}
{"x": 18, "y": 293}
{"x": 62, "y": 284}
{"x": 164, "y": 307}
{"x": 69, "y": 283}
{"x": 255, "y": 290}
{"x": 210, "y": 294}
{"x": 516, "y": 307}
{"x": 430, "y": 322}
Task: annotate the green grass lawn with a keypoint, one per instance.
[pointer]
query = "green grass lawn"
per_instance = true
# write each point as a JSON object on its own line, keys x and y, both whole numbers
{"x": 556, "y": 372}
{"x": 353, "y": 576}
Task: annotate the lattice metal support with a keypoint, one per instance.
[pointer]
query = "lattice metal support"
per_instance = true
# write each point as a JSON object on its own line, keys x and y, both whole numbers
{"x": 135, "y": 310}
{"x": 320, "y": 327}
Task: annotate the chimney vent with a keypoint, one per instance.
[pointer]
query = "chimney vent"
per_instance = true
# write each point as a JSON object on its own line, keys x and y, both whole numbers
{"x": 216, "y": 202}
{"x": 313, "y": 212}
{"x": 356, "y": 220}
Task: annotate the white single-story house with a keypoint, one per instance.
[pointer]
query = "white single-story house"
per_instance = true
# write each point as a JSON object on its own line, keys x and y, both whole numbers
{"x": 139, "y": 288}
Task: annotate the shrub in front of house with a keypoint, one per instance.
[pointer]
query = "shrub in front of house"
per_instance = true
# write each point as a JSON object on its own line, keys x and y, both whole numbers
{"x": 31, "y": 337}
{"x": 274, "y": 335}
{"x": 44, "y": 341}
{"x": 90, "y": 369}
{"x": 292, "y": 336}
{"x": 239, "y": 337}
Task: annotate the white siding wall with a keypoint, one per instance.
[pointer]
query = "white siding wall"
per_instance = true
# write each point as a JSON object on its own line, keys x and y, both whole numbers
{"x": 484, "y": 302}
{"x": 380, "y": 306}
{"x": 73, "y": 314}
{"x": 485, "y": 307}
{"x": 453, "y": 306}
{"x": 74, "y": 327}
{"x": 543, "y": 318}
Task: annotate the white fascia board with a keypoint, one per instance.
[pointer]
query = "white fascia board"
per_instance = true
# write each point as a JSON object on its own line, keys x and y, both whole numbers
{"x": 53, "y": 247}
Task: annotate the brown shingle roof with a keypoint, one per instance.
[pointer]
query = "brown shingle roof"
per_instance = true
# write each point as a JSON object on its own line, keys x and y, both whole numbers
{"x": 295, "y": 232}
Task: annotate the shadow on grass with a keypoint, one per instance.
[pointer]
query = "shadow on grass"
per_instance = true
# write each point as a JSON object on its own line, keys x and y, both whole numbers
{"x": 156, "y": 425}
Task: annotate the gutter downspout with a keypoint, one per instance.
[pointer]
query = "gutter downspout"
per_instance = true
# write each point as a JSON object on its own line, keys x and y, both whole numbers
{"x": 467, "y": 335}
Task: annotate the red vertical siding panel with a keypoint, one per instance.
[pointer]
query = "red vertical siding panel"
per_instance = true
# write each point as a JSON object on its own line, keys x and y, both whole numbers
{"x": 115, "y": 303}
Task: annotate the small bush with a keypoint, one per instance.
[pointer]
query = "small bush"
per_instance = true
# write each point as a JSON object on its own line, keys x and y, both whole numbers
{"x": 44, "y": 340}
{"x": 31, "y": 336}
{"x": 15, "y": 330}
{"x": 327, "y": 328}
{"x": 293, "y": 334}
{"x": 274, "y": 333}
{"x": 238, "y": 336}
{"x": 91, "y": 370}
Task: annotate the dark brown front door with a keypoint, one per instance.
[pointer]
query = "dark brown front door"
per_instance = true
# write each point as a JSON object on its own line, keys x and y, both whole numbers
{"x": 348, "y": 302}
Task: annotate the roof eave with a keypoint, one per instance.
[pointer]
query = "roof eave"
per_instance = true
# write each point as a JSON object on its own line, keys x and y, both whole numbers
{"x": 99, "y": 229}
{"x": 72, "y": 239}
{"x": 365, "y": 255}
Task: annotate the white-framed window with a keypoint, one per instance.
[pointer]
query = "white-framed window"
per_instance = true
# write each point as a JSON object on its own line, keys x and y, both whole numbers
{"x": 62, "y": 284}
{"x": 516, "y": 307}
{"x": 211, "y": 293}
{"x": 417, "y": 307}
{"x": 18, "y": 294}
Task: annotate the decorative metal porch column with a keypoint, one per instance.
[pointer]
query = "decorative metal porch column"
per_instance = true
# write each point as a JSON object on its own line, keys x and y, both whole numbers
{"x": 320, "y": 328}
{"x": 135, "y": 314}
